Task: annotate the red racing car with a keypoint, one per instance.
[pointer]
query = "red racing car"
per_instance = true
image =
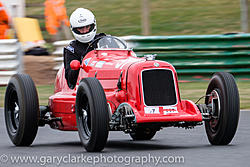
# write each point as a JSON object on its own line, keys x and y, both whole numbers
{"x": 118, "y": 91}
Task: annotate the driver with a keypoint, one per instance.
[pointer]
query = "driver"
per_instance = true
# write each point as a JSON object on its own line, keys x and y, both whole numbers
{"x": 83, "y": 26}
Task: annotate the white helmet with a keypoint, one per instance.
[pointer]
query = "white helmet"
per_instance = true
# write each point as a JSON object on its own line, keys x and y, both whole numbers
{"x": 81, "y": 18}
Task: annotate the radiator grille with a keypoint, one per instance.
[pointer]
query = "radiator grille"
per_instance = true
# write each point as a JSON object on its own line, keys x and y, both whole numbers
{"x": 158, "y": 87}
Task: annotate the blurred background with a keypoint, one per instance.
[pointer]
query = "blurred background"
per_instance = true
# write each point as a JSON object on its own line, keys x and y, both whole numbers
{"x": 166, "y": 17}
{"x": 40, "y": 24}
{"x": 130, "y": 17}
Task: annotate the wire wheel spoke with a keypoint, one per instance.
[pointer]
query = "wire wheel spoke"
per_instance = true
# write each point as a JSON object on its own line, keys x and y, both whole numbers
{"x": 86, "y": 121}
{"x": 13, "y": 111}
{"x": 85, "y": 117}
{"x": 16, "y": 114}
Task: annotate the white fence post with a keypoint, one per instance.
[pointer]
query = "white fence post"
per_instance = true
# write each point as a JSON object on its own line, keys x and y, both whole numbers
{"x": 244, "y": 15}
{"x": 10, "y": 59}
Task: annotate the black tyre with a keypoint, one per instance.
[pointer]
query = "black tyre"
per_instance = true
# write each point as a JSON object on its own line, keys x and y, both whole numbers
{"x": 21, "y": 109}
{"x": 92, "y": 115}
{"x": 143, "y": 133}
{"x": 224, "y": 104}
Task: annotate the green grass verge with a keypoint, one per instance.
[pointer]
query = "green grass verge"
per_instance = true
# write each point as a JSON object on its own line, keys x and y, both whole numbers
{"x": 192, "y": 91}
{"x": 44, "y": 92}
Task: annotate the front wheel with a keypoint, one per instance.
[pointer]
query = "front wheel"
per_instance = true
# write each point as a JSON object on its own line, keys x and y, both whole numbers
{"x": 92, "y": 114}
{"x": 21, "y": 109}
{"x": 223, "y": 103}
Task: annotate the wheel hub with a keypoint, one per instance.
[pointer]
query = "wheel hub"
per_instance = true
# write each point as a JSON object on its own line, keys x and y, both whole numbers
{"x": 214, "y": 107}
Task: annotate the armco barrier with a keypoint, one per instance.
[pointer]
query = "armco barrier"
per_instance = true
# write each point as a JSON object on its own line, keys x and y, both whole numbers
{"x": 194, "y": 54}
{"x": 10, "y": 59}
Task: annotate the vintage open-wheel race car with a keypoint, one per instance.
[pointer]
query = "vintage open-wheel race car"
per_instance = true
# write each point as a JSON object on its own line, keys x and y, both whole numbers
{"x": 118, "y": 91}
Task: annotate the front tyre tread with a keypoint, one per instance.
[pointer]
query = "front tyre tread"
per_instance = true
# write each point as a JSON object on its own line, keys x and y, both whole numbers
{"x": 226, "y": 126}
{"x": 21, "y": 97}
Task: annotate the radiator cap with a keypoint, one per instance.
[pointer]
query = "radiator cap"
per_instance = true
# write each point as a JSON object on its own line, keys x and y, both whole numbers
{"x": 150, "y": 57}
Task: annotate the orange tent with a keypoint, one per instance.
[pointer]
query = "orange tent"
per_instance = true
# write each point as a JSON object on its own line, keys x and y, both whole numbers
{"x": 55, "y": 15}
{"x": 4, "y": 22}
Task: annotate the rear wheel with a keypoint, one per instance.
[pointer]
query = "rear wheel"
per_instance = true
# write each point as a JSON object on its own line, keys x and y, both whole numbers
{"x": 92, "y": 114}
{"x": 223, "y": 102}
{"x": 143, "y": 133}
{"x": 21, "y": 110}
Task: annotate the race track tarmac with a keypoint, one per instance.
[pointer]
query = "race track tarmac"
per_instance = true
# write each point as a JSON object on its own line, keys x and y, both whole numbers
{"x": 170, "y": 147}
